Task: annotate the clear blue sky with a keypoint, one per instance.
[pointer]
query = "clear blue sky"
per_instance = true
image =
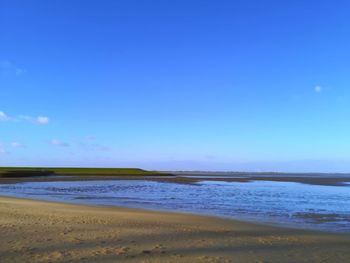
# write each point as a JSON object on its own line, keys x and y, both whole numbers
{"x": 206, "y": 85}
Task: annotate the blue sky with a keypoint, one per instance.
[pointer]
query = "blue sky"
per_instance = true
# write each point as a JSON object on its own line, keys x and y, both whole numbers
{"x": 185, "y": 85}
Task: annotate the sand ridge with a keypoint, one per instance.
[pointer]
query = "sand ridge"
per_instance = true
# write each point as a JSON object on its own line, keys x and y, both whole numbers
{"x": 38, "y": 231}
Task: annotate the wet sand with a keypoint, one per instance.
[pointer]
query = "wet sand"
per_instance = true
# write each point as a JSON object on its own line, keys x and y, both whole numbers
{"x": 37, "y": 231}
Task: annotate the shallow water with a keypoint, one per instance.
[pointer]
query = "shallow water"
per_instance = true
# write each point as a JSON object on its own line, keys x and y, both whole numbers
{"x": 281, "y": 203}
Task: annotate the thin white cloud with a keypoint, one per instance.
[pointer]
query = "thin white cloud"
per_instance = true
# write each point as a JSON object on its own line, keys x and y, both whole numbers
{"x": 42, "y": 120}
{"x": 17, "y": 145}
{"x": 3, "y": 116}
{"x": 58, "y": 143}
{"x": 7, "y": 68}
{"x": 318, "y": 89}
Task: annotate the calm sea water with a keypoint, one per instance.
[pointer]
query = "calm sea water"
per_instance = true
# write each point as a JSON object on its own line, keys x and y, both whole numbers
{"x": 282, "y": 203}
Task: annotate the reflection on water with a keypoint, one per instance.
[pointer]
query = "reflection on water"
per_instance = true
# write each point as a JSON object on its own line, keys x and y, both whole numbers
{"x": 215, "y": 176}
{"x": 284, "y": 203}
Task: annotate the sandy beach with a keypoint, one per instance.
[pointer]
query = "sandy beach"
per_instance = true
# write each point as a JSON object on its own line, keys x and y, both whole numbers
{"x": 38, "y": 231}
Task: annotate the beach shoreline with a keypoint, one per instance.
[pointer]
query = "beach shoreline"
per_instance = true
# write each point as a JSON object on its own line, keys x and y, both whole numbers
{"x": 193, "y": 178}
{"x": 42, "y": 231}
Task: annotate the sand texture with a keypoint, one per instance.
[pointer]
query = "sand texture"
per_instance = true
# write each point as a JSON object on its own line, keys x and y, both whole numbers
{"x": 37, "y": 231}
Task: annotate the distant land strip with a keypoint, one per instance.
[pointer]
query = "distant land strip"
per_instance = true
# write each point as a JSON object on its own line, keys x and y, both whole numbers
{"x": 10, "y": 172}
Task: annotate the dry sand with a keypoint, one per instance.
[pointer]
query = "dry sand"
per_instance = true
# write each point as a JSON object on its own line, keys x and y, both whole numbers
{"x": 37, "y": 231}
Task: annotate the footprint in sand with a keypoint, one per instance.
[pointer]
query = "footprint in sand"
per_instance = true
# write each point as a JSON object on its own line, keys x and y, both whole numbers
{"x": 111, "y": 250}
{"x": 159, "y": 249}
{"x": 76, "y": 240}
{"x": 214, "y": 259}
{"x": 53, "y": 256}
{"x": 122, "y": 250}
